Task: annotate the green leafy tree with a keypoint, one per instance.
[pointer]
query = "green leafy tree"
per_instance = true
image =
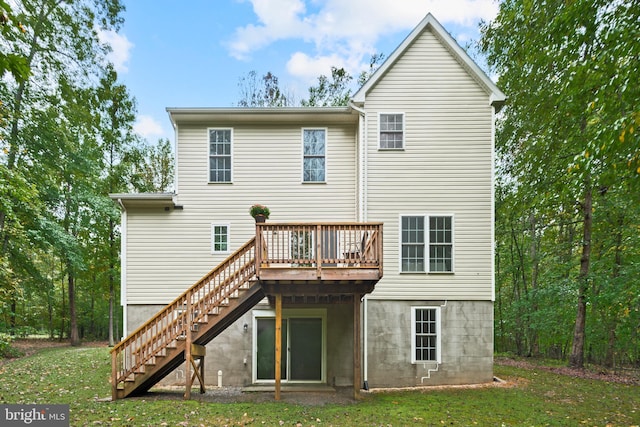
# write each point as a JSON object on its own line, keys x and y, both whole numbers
{"x": 568, "y": 134}
{"x": 336, "y": 90}
{"x": 330, "y": 91}
{"x": 152, "y": 170}
{"x": 10, "y": 62}
{"x": 53, "y": 57}
{"x": 114, "y": 119}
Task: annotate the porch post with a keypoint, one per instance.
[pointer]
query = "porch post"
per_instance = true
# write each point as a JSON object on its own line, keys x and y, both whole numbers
{"x": 187, "y": 350}
{"x": 278, "y": 343}
{"x": 357, "y": 369}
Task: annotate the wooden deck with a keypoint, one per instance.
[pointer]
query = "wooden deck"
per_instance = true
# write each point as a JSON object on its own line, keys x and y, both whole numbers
{"x": 287, "y": 262}
{"x": 318, "y": 259}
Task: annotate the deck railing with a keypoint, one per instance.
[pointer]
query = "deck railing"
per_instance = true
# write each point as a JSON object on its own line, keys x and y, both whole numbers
{"x": 173, "y": 322}
{"x": 327, "y": 245}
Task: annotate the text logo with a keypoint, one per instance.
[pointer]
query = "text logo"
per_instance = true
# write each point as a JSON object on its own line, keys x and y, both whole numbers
{"x": 34, "y": 415}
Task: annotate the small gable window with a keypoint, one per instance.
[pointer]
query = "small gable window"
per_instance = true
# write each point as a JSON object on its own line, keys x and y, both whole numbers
{"x": 391, "y": 131}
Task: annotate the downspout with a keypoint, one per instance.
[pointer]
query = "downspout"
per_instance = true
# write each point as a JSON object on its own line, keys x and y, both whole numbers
{"x": 123, "y": 267}
{"x": 493, "y": 203}
{"x": 361, "y": 161}
{"x": 362, "y": 216}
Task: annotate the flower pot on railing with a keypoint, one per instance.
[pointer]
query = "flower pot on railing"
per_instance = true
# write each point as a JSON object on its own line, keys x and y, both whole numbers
{"x": 259, "y": 212}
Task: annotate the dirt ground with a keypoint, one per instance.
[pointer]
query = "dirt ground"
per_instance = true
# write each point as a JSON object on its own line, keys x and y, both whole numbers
{"x": 621, "y": 375}
{"x": 340, "y": 396}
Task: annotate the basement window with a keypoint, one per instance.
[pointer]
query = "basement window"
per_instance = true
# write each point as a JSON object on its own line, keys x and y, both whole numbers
{"x": 425, "y": 332}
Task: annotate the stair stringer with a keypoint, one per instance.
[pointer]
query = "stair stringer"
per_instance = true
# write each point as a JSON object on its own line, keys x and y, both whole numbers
{"x": 245, "y": 303}
{"x": 158, "y": 347}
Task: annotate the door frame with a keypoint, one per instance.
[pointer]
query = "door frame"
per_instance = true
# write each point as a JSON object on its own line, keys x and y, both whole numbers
{"x": 298, "y": 313}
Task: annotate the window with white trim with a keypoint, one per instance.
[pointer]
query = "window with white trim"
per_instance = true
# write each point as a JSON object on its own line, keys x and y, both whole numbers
{"x": 440, "y": 244}
{"x": 413, "y": 240}
{"x": 425, "y": 333}
{"x": 426, "y": 244}
{"x": 220, "y": 155}
{"x": 314, "y": 148}
{"x": 391, "y": 131}
{"x": 219, "y": 238}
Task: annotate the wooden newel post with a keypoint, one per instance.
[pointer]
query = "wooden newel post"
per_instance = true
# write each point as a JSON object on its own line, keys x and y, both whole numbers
{"x": 114, "y": 375}
{"x": 278, "y": 343}
{"x": 258, "y": 253}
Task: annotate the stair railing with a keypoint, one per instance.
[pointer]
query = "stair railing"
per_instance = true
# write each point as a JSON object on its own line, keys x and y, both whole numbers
{"x": 173, "y": 322}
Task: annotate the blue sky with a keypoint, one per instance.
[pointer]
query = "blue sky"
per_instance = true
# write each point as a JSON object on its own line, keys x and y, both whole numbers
{"x": 192, "y": 53}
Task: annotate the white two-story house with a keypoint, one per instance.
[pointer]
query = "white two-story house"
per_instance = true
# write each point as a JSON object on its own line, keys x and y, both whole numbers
{"x": 375, "y": 268}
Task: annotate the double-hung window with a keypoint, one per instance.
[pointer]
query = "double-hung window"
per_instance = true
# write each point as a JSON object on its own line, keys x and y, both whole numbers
{"x": 314, "y": 148}
{"x": 219, "y": 238}
{"x": 426, "y": 244}
{"x": 413, "y": 240}
{"x": 425, "y": 333}
{"x": 440, "y": 244}
{"x": 220, "y": 155}
{"x": 391, "y": 131}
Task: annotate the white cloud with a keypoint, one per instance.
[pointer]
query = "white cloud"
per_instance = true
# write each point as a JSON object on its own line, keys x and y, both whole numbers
{"x": 352, "y": 26}
{"x": 344, "y": 33}
{"x": 147, "y": 127}
{"x": 120, "y": 49}
{"x": 278, "y": 19}
{"x": 307, "y": 68}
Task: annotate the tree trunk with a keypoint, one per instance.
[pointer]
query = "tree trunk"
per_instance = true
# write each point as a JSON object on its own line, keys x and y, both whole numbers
{"x": 576, "y": 360}
{"x": 111, "y": 280}
{"x": 73, "y": 321}
{"x": 612, "y": 323}
{"x": 534, "y": 347}
{"x": 63, "y": 311}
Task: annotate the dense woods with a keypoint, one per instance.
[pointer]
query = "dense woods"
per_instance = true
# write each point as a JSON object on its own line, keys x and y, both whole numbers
{"x": 568, "y": 186}
{"x": 567, "y": 172}
{"x": 67, "y": 142}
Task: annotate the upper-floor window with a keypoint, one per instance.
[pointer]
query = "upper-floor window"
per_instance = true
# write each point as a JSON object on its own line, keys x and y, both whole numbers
{"x": 391, "y": 131}
{"x": 426, "y": 244}
{"x": 314, "y": 148}
{"x": 220, "y": 155}
{"x": 219, "y": 238}
{"x": 440, "y": 244}
{"x": 413, "y": 239}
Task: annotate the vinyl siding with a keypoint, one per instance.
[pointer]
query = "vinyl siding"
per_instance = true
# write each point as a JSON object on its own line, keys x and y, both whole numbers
{"x": 169, "y": 251}
{"x": 445, "y": 168}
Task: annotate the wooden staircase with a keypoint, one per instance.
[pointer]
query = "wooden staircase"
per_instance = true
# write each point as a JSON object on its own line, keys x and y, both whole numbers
{"x": 196, "y": 317}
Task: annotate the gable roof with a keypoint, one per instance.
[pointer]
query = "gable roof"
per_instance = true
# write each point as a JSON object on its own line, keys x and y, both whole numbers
{"x": 496, "y": 96}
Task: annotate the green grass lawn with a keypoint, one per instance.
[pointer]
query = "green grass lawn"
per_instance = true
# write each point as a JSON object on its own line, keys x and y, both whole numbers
{"x": 80, "y": 376}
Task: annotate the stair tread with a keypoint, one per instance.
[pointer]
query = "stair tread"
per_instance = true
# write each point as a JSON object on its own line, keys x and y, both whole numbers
{"x": 140, "y": 375}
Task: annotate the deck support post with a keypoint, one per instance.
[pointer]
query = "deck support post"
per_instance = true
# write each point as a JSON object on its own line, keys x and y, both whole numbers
{"x": 198, "y": 352}
{"x": 187, "y": 350}
{"x": 357, "y": 370}
{"x": 278, "y": 344}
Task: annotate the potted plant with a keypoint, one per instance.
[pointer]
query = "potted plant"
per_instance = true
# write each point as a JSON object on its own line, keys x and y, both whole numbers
{"x": 259, "y": 212}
